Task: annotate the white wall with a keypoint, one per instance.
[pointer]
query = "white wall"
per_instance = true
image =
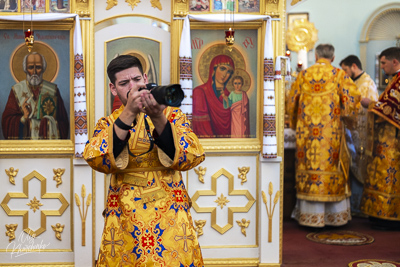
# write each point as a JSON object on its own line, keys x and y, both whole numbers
{"x": 340, "y": 23}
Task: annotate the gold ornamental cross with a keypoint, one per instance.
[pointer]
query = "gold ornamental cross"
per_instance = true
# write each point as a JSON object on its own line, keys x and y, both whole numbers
{"x": 25, "y": 213}
{"x": 231, "y": 192}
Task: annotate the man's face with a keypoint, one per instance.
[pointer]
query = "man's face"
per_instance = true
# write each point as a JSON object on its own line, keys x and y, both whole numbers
{"x": 388, "y": 65}
{"x": 126, "y": 80}
{"x": 348, "y": 71}
{"x": 34, "y": 69}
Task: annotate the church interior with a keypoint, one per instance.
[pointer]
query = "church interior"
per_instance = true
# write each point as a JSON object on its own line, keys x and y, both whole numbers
{"x": 244, "y": 192}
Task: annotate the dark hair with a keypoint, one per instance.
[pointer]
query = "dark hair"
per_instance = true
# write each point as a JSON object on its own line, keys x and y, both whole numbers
{"x": 350, "y": 60}
{"x": 391, "y": 53}
{"x": 121, "y": 63}
{"x": 325, "y": 51}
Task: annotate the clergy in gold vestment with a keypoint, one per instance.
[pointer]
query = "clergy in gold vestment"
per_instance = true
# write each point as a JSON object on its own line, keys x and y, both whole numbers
{"x": 356, "y": 136}
{"x": 319, "y": 99}
{"x": 147, "y": 216}
{"x": 381, "y": 197}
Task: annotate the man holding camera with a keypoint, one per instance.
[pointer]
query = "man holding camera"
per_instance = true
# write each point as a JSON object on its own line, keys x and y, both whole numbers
{"x": 144, "y": 145}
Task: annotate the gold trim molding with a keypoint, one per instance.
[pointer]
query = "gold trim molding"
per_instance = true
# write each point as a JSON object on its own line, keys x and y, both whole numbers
{"x": 47, "y": 264}
{"x": 25, "y": 213}
{"x": 231, "y": 192}
{"x": 31, "y": 147}
{"x": 232, "y": 262}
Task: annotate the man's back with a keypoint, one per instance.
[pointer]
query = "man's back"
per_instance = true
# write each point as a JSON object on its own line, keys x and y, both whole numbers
{"x": 320, "y": 96}
{"x": 319, "y": 78}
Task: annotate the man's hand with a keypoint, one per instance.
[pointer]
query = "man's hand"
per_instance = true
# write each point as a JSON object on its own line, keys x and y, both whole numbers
{"x": 150, "y": 105}
{"x": 26, "y": 109}
{"x": 134, "y": 103}
{"x": 154, "y": 110}
{"x": 365, "y": 102}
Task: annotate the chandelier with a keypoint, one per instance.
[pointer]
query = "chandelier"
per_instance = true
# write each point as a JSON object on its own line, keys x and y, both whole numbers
{"x": 230, "y": 33}
{"x": 29, "y": 35}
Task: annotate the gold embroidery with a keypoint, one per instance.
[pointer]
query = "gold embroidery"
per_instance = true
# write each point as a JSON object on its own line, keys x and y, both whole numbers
{"x": 135, "y": 179}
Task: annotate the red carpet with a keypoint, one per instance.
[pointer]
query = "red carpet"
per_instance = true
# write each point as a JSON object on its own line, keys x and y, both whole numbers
{"x": 298, "y": 251}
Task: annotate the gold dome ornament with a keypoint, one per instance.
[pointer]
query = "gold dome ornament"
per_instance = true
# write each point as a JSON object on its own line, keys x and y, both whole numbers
{"x": 303, "y": 35}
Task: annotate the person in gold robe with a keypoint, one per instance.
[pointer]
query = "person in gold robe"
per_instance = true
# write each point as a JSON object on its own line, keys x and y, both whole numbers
{"x": 381, "y": 196}
{"x": 320, "y": 99}
{"x": 356, "y": 136}
{"x": 144, "y": 146}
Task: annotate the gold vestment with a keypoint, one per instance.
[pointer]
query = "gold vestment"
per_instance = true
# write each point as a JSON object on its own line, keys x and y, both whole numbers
{"x": 147, "y": 218}
{"x": 357, "y": 137}
{"x": 381, "y": 196}
{"x": 318, "y": 99}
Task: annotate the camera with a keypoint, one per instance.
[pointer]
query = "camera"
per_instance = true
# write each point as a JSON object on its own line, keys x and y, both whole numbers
{"x": 170, "y": 95}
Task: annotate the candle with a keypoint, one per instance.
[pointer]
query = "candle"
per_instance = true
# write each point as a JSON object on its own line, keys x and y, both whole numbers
{"x": 229, "y": 33}
{"x": 299, "y": 64}
{"x": 28, "y": 33}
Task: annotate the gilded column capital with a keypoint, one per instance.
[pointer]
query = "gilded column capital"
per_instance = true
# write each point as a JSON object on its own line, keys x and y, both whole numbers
{"x": 180, "y": 8}
{"x": 82, "y": 8}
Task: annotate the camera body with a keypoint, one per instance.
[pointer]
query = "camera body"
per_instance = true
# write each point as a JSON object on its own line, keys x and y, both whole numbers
{"x": 169, "y": 95}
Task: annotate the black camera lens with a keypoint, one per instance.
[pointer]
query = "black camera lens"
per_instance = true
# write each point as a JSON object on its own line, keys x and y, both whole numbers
{"x": 173, "y": 95}
{"x": 170, "y": 95}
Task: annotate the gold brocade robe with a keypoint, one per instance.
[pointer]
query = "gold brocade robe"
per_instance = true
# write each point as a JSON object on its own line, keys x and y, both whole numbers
{"x": 357, "y": 139}
{"x": 147, "y": 218}
{"x": 318, "y": 99}
{"x": 381, "y": 196}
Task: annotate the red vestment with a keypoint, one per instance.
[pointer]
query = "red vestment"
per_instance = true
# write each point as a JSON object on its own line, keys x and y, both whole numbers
{"x": 210, "y": 118}
{"x": 14, "y": 129}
